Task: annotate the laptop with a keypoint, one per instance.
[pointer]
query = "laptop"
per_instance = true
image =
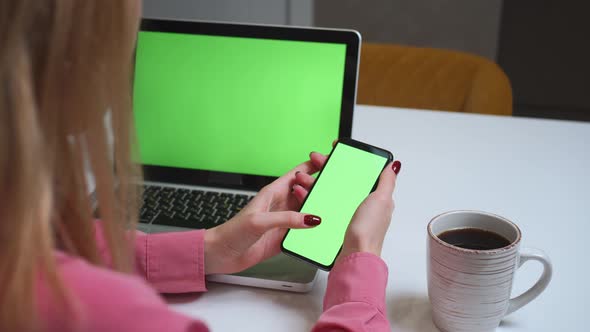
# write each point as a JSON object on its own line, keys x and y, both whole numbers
{"x": 222, "y": 109}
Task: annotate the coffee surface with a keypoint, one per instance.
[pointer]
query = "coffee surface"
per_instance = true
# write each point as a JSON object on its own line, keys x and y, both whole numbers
{"x": 474, "y": 238}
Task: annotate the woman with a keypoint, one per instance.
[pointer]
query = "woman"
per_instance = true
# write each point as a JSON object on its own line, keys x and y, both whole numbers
{"x": 63, "y": 64}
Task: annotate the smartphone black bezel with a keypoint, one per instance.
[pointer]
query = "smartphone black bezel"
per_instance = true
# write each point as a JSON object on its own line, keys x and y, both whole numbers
{"x": 356, "y": 144}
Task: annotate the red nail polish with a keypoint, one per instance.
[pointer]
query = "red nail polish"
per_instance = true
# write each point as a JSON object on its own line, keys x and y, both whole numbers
{"x": 397, "y": 166}
{"x": 311, "y": 220}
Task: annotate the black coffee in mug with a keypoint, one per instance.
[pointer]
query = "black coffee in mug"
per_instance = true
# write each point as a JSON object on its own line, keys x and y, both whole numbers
{"x": 473, "y": 238}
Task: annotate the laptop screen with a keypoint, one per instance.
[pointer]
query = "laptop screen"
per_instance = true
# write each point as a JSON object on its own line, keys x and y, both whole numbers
{"x": 235, "y": 104}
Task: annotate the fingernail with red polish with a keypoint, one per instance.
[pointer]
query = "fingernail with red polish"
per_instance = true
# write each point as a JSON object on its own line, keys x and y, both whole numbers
{"x": 397, "y": 166}
{"x": 311, "y": 220}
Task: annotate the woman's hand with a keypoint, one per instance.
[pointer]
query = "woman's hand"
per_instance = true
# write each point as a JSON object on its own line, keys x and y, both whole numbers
{"x": 255, "y": 233}
{"x": 370, "y": 222}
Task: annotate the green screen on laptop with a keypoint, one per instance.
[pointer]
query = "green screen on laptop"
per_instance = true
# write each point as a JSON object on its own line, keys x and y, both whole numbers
{"x": 238, "y": 105}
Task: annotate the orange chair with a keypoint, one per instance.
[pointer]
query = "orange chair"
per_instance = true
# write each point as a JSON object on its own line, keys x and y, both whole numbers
{"x": 428, "y": 78}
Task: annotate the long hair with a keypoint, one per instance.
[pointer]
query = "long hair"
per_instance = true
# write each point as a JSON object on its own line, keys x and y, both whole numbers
{"x": 64, "y": 65}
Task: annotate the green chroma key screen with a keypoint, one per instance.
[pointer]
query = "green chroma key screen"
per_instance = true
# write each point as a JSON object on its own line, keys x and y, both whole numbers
{"x": 345, "y": 181}
{"x": 239, "y": 105}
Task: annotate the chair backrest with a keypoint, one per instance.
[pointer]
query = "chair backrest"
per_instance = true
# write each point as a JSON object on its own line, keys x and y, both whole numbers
{"x": 428, "y": 78}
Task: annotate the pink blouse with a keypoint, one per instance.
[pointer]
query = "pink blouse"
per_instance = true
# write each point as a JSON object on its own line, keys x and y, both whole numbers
{"x": 104, "y": 300}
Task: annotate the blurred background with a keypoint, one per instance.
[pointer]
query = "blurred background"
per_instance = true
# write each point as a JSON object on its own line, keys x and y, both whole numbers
{"x": 541, "y": 46}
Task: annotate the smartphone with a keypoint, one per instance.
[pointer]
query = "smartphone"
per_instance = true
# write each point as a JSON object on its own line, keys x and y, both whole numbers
{"x": 348, "y": 177}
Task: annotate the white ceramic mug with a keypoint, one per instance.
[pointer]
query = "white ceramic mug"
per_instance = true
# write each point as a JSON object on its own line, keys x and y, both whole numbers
{"x": 469, "y": 289}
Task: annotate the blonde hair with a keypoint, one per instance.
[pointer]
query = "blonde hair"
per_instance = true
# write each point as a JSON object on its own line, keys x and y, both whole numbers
{"x": 63, "y": 65}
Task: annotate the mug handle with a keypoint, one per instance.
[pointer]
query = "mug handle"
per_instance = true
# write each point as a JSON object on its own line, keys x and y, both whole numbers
{"x": 526, "y": 254}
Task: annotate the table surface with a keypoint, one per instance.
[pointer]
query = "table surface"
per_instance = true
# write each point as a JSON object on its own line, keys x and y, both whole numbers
{"x": 534, "y": 172}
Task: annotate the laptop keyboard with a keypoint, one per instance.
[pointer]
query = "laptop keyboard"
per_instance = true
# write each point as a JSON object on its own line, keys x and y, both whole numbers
{"x": 188, "y": 208}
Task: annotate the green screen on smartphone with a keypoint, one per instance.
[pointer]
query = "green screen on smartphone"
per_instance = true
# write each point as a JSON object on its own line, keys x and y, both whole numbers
{"x": 237, "y": 105}
{"x": 346, "y": 180}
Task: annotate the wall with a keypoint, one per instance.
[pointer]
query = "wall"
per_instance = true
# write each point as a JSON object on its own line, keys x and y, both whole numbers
{"x": 296, "y": 12}
{"x": 468, "y": 25}
{"x": 545, "y": 50}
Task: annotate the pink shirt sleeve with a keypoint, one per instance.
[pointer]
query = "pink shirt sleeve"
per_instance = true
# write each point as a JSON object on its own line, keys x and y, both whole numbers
{"x": 174, "y": 263}
{"x": 104, "y": 300}
{"x": 355, "y": 297}
{"x": 170, "y": 262}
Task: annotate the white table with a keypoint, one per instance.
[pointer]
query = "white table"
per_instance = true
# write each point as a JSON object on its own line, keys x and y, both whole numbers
{"x": 535, "y": 172}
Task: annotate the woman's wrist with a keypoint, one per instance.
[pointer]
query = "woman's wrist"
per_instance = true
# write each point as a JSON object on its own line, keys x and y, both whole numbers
{"x": 210, "y": 251}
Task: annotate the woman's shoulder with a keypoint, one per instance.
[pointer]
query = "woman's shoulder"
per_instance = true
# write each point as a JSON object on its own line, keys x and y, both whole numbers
{"x": 104, "y": 300}
{"x": 98, "y": 282}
